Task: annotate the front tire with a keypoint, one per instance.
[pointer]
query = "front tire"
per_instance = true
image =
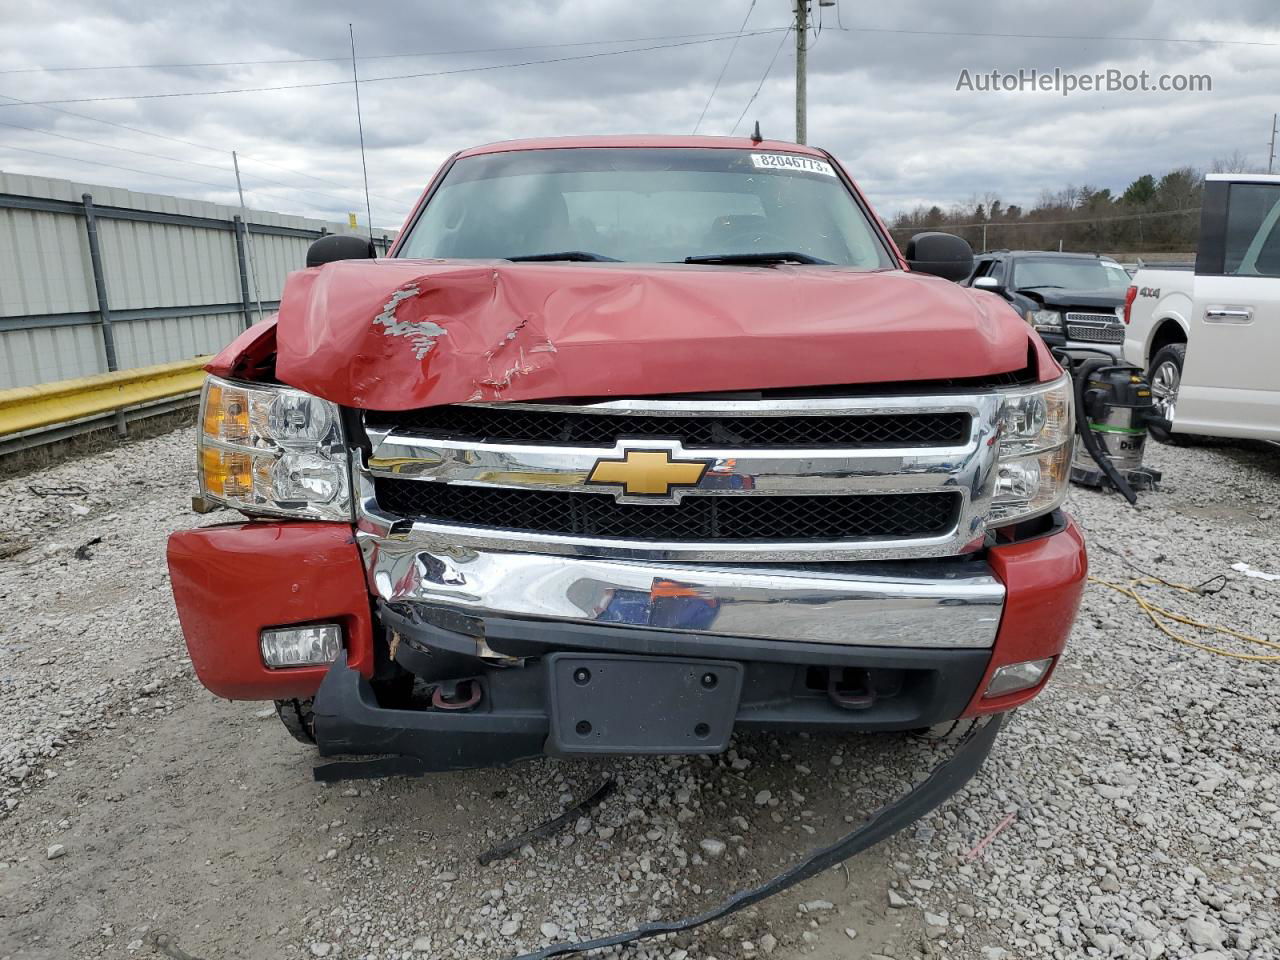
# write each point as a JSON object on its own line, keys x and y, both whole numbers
{"x": 1165, "y": 377}
{"x": 298, "y": 719}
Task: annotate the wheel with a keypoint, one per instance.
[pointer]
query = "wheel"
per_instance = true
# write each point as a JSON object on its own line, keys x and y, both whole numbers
{"x": 1166, "y": 377}
{"x": 298, "y": 720}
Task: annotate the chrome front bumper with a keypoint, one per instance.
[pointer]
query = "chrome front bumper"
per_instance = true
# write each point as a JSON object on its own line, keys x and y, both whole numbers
{"x": 948, "y": 604}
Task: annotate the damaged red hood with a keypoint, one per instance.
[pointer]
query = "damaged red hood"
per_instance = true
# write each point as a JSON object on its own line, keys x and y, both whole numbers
{"x": 397, "y": 334}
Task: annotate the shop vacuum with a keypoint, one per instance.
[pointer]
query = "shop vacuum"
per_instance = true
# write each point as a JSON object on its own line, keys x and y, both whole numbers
{"x": 1113, "y": 409}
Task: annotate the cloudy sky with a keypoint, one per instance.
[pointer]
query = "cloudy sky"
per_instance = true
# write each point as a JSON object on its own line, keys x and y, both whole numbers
{"x": 882, "y": 90}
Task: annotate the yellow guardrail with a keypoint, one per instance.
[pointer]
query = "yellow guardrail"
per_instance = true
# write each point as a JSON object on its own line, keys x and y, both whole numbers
{"x": 29, "y": 408}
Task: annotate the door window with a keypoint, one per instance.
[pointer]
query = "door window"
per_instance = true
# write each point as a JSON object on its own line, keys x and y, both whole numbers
{"x": 1253, "y": 230}
{"x": 980, "y": 268}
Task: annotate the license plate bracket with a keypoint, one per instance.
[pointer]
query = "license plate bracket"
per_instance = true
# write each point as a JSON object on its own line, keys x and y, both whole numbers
{"x": 610, "y": 703}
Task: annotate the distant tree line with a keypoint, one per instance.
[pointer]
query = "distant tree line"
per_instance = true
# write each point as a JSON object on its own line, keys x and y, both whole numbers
{"x": 1152, "y": 215}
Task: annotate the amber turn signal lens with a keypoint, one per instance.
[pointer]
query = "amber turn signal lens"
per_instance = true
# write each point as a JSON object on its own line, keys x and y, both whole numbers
{"x": 226, "y": 413}
{"x": 271, "y": 450}
{"x": 225, "y": 473}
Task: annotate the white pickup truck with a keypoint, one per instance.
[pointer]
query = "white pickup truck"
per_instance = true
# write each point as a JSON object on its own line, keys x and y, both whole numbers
{"x": 1210, "y": 337}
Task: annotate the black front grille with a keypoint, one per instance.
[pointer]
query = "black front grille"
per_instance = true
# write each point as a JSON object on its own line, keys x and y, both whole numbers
{"x": 500, "y": 424}
{"x": 704, "y": 518}
{"x": 1095, "y": 334}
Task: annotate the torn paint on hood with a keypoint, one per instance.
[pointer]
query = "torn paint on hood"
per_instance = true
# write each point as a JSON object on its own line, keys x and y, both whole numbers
{"x": 399, "y": 334}
{"x": 1105, "y": 299}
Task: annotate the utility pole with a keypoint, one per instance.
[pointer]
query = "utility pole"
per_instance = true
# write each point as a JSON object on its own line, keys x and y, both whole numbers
{"x": 244, "y": 216}
{"x": 802, "y": 30}
{"x": 1271, "y": 153}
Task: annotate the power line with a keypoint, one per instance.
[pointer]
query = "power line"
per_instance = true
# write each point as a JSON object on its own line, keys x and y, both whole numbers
{"x": 147, "y": 173}
{"x": 1060, "y": 36}
{"x": 588, "y": 43}
{"x": 305, "y": 191}
{"x": 14, "y": 101}
{"x": 760, "y": 85}
{"x": 102, "y": 163}
{"x": 95, "y": 143}
{"x": 1057, "y": 223}
{"x": 299, "y": 173}
{"x": 815, "y": 28}
{"x": 17, "y": 102}
{"x": 189, "y": 143}
{"x": 403, "y": 76}
{"x": 736, "y": 38}
{"x": 344, "y": 59}
{"x": 341, "y": 202}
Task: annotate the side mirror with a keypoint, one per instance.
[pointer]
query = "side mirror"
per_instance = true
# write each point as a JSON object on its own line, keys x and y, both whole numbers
{"x": 941, "y": 254}
{"x": 339, "y": 246}
{"x": 988, "y": 283}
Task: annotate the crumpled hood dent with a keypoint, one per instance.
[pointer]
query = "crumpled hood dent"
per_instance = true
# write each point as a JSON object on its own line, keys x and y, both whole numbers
{"x": 1076, "y": 298}
{"x": 398, "y": 334}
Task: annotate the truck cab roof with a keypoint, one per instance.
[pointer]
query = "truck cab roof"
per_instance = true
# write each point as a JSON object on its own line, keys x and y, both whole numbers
{"x": 1244, "y": 177}
{"x": 1066, "y": 255}
{"x": 622, "y": 141}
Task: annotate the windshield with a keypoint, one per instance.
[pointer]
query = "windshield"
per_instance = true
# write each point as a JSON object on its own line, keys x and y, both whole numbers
{"x": 1069, "y": 274}
{"x": 644, "y": 205}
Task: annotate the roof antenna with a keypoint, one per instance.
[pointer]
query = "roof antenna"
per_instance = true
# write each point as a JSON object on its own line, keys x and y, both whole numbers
{"x": 355, "y": 76}
{"x": 755, "y": 134}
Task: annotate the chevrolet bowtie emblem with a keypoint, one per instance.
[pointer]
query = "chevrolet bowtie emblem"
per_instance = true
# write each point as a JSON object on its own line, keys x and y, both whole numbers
{"x": 648, "y": 473}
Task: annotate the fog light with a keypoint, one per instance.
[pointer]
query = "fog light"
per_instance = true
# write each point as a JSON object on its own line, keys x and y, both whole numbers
{"x": 308, "y": 646}
{"x": 1013, "y": 677}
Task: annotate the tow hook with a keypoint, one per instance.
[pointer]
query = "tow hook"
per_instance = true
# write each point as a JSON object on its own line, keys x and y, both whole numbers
{"x": 850, "y": 689}
{"x": 456, "y": 695}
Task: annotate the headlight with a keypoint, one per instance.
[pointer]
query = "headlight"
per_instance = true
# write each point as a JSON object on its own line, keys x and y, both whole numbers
{"x": 1036, "y": 436}
{"x": 1045, "y": 321}
{"x": 272, "y": 450}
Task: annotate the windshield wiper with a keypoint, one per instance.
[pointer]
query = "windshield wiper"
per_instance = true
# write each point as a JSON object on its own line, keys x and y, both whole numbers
{"x": 782, "y": 256}
{"x": 578, "y": 256}
{"x": 1044, "y": 286}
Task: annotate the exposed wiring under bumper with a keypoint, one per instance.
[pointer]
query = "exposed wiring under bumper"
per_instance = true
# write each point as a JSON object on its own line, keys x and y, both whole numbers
{"x": 945, "y": 779}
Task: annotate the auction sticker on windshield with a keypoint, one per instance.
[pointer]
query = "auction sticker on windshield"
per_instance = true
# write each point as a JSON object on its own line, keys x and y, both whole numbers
{"x": 789, "y": 161}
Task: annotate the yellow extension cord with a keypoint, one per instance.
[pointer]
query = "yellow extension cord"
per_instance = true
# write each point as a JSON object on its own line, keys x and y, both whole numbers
{"x": 1155, "y": 613}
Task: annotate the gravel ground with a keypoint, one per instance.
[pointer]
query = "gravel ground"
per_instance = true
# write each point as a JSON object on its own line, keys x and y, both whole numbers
{"x": 1133, "y": 804}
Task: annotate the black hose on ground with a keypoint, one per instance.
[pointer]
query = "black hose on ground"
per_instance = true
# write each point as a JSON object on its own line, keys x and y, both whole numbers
{"x": 1079, "y": 377}
{"x": 947, "y": 777}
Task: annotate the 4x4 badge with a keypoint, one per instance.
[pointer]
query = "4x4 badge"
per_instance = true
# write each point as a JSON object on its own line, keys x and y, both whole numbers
{"x": 648, "y": 473}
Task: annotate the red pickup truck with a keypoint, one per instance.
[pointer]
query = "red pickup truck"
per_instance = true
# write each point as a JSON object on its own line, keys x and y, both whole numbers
{"x": 630, "y": 443}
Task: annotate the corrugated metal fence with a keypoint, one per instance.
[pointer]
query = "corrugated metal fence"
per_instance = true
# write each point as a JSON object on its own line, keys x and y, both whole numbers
{"x": 95, "y": 279}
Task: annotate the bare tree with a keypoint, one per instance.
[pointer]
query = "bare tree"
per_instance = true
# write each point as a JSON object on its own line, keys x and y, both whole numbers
{"x": 1237, "y": 162}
